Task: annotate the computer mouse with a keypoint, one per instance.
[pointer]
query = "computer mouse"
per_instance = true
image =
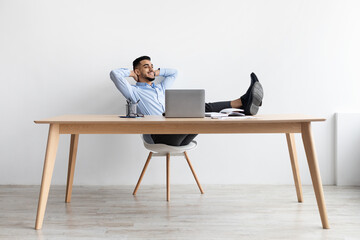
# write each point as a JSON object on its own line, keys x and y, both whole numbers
{"x": 234, "y": 114}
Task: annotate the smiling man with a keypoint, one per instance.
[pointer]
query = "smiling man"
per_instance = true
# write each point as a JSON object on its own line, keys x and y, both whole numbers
{"x": 152, "y": 96}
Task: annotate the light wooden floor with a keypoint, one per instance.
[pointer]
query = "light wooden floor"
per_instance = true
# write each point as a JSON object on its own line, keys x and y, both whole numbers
{"x": 223, "y": 212}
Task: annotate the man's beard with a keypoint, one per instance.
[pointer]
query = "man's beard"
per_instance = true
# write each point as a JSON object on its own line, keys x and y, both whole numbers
{"x": 150, "y": 79}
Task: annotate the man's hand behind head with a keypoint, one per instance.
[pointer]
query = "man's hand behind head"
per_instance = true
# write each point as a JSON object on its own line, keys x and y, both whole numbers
{"x": 133, "y": 75}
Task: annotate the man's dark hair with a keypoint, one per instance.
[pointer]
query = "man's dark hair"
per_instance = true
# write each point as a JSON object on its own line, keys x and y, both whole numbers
{"x": 137, "y": 61}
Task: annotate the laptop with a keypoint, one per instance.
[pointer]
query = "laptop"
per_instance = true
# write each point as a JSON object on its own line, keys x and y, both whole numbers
{"x": 185, "y": 103}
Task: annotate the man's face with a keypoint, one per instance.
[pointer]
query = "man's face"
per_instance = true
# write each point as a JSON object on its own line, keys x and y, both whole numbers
{"x": 145, "y": 70}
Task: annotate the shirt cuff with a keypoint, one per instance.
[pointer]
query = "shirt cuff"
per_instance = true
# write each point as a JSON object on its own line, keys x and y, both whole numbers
{"x": 126, "y": 72}
{"x": 162, "y": 72}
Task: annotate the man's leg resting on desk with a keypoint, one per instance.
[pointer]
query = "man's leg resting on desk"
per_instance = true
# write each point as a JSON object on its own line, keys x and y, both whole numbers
{"x": 250, "y": 102}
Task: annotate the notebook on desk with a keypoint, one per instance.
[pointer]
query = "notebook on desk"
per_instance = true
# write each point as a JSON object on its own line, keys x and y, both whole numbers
{"x": 185, "y": 103}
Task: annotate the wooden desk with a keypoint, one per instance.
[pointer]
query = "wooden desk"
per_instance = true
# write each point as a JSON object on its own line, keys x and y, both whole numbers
{"x": 112, "y": 124}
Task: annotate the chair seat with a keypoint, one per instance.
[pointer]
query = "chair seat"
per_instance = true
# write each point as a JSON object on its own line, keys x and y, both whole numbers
{"x": 163, "y": 148}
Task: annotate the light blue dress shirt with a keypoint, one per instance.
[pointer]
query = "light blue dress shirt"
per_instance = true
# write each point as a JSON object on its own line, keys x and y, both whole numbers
{"x": 152, "y": 98}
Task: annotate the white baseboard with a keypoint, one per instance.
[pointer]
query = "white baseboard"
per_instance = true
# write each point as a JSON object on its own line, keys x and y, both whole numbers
{"x": 347, "y": 152}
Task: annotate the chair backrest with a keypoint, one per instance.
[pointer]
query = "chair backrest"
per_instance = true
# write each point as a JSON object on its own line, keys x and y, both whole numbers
{"x": 163, "y": 148}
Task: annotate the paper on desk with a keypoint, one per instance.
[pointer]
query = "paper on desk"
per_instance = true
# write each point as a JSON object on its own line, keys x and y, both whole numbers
{"x": 215, "y": 114}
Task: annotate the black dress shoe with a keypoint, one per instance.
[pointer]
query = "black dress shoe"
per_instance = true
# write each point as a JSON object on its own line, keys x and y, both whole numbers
{"x": 254, "y": 100}
{"x": 254, "y": 78}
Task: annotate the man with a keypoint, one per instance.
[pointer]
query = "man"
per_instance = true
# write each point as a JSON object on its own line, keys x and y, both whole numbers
{"x": 152, "y": 96}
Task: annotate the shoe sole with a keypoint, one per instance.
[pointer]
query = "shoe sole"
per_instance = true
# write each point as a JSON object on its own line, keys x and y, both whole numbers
{"x": 257, "y": 96}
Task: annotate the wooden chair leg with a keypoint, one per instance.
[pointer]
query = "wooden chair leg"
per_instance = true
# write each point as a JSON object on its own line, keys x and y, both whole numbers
{"x": 193, "y": 172}
{"x": 71, "y": 168}
{"x": 168, "y": 177}
{"x": 142, "y": 173}
{"x": 290, "y": 137}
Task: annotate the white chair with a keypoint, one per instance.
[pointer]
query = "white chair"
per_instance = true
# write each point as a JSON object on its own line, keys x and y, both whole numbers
{"x": 161, "y": 150}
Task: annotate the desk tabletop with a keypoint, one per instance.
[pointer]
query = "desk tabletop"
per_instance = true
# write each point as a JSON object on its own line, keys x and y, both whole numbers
{"x": 115, "y": 119}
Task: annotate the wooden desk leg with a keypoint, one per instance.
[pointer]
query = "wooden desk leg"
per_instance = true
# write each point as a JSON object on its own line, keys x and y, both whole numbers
{"x": 71, "y": 168}
{"x": 314, "y": 171}
{"x": 50, "y": 156}
{"x": 168, "y": 177}
{"x": 290, "y": 137}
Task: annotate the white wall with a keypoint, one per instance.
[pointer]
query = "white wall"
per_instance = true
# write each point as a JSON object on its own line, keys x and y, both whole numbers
{"x": 55, "y": 58}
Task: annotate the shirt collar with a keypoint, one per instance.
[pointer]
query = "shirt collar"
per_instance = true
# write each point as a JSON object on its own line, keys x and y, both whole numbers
{"x": 145, "y": 84}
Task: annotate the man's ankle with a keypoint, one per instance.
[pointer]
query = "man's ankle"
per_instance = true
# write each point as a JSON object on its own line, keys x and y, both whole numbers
{"x": 236, "y": 103}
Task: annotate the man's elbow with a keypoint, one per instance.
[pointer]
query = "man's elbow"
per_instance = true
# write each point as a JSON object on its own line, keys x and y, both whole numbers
{"x": 112, "y": 75}
{"x": 172, "y": 72}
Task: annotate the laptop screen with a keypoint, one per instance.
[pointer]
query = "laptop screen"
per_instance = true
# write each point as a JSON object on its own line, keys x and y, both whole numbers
{"x": 185, "y": 103}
